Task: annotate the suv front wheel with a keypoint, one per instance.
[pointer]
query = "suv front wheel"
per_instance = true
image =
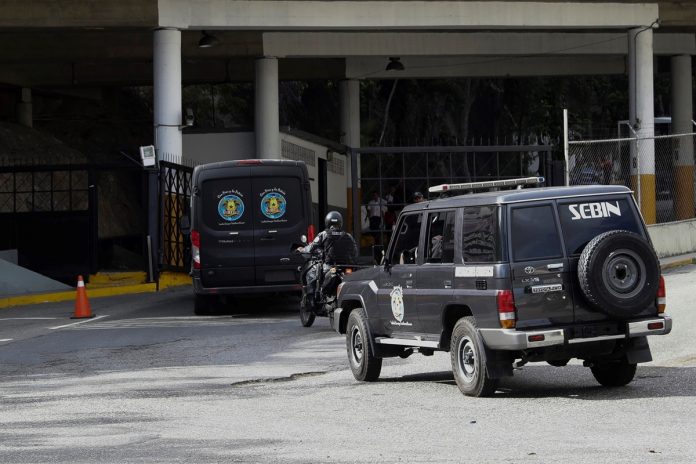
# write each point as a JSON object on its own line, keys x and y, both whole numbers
{"x": 363, "y": 362}
{"x": 468, "y": 359}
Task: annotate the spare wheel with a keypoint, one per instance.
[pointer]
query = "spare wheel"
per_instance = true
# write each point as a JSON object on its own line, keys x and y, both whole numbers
{"x": 619, "y": 273}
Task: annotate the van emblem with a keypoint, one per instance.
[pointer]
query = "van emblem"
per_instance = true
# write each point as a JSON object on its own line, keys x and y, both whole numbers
{"x": 273, "y": 205}
{"x": 529, "y": 270}
{"x": 230, "y": 207}
{"x": 397, "y": 303}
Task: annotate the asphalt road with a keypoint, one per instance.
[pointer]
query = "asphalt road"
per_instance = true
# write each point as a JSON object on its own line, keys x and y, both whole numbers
{"x": 146, "y": 381}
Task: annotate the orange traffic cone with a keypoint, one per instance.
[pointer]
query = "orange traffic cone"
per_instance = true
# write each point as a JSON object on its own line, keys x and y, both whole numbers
{"x": 82, "y": 309}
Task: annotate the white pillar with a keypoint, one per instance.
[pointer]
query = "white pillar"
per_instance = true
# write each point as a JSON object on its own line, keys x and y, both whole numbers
{"x": 167, "y": 93}
{"x": 642, "y": 117}
{"x": 349, "y": 94}
{"x": 682, "y": 114}
{"x": 24, "y": 109}
{"x": 266, "y": 115}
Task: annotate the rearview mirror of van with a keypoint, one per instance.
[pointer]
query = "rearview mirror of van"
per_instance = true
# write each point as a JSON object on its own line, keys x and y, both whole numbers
{"x": 303, "y": 239}
{"x": 185, "y": 225}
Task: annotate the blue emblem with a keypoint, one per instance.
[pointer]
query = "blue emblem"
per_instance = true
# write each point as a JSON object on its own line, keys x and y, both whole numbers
{"x": 230, "y": 207}
{"x": 273, "y": 205}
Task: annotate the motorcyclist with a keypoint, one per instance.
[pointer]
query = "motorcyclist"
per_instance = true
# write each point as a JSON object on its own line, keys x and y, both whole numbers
{"x": 338, "y": 247}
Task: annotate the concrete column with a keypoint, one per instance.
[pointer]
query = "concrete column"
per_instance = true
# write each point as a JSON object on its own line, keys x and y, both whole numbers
{"x": 167, "y": 93}
{"x": 266, "y": 114}
{"x": 24, "y": 109}
{"x": 349, "y": 93}
{"x": 682, "y": 111}
{"x": 642, "y": 118}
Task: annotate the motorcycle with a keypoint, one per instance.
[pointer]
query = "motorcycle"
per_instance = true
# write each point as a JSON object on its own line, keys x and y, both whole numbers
{"x": 319, "y": 285}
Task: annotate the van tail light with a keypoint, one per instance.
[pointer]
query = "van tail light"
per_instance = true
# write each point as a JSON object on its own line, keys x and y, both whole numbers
{"x": 661, "y": 299}
{"x": 196, "y": 249}
{"x": 311, "y": 233}
{"x": 506, "y": 309}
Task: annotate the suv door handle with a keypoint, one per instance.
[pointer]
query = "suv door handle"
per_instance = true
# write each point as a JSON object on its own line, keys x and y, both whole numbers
{"x": 409, "y": 284}
{"x": 555, "y": 266}
{"x": 448, "y": 284}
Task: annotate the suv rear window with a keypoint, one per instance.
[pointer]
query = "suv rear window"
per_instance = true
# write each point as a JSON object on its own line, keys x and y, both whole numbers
{"x": 480, "y": 242}
{"x": 534, "y": 233}
{"x": 581, "y": 221}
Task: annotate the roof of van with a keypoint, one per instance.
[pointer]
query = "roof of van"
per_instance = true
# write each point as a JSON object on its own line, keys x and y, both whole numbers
{"x": 248, "y": 163}
{"x": 514, "y": 196}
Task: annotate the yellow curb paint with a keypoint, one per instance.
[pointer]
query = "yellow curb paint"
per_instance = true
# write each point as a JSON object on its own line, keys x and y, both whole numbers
{"x": 22, "y": 300}
{"x": 112, "y": 278}
{"x": 174, "y": 279}
{"x": 681, "y": 262}
{"x": 684, "y": 192}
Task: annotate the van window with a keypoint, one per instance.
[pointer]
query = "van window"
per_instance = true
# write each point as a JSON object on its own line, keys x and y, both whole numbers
{"x": 534, "y": 233}
{"x": 439, "y": 243}
{"x": 480, "y": 241}
{"x": 226, "y": 203}
{"x": 581, "y": 221}
{"x": 278, "y": 201}
{"x": 407, "y": 236}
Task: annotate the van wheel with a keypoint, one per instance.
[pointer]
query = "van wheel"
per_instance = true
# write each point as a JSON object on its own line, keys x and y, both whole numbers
{"x": 306, "y": 315}
{"x": 363, "y": 362}
{"x": 614, "y": 374}
{"x": 619, "y": 273}
{"x": 468, "y": 358}
{"x": 202, "y": 305}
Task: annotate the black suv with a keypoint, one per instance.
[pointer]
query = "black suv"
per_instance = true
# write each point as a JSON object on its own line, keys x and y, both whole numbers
{"x": 503, "y": 278}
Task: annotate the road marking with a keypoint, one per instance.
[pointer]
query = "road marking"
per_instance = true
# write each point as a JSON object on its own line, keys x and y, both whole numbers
{"x": 27, "y": 318}
{"x": 6, "y": 339}
{"x": 181, "y": 322}
{"x": 75, "y": 323}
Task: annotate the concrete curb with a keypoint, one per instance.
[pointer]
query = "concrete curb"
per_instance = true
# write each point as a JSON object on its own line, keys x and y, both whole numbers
{"x": 677, "y": 263}
{"x": 167, "y": 280}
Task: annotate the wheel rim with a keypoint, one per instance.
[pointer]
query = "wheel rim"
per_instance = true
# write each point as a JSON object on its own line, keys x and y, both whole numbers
{"x": 624, "y": 273}
{"x": 356, "y": 343}
{"x": 467, "y": 359}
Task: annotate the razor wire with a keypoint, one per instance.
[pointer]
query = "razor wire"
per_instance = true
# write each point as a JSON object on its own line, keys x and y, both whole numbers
{"x": 621, "y": 161}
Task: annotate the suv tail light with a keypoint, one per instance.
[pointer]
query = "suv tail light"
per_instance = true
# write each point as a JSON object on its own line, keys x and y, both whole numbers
{"x": 196, "y": 249}
{"x": 661, "y": 299}
{"x": 506, "y": 309}
{"x": 310, "y": 233}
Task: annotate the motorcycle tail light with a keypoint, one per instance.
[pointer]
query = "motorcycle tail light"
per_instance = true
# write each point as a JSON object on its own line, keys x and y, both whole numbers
{"x": 349, "y": 270}
{"x": 507, "y": 313}
{"x": 661, "y": 299}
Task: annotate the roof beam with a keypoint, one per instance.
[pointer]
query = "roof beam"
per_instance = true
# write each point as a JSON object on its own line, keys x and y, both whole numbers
{"x": 385, "y": 15}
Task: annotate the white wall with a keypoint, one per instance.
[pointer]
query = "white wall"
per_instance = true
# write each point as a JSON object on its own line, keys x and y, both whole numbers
{"x": 219, "y": 146}
{"x": 673, "y": 238}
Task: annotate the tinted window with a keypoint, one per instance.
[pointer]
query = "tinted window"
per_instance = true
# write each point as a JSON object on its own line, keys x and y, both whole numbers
{"x": 581, "y": 221}
{"x": 440, "y": 237}
{"x": 227, "y": 203}
{"x": 480, "y": 241}
{"x": 534, "y": 233}
{"x": 406, "y": 240}
{"x": 278, "y": 201}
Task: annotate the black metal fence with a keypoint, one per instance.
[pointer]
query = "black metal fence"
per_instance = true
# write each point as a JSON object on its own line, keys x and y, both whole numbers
{"x": 175, "y": 195}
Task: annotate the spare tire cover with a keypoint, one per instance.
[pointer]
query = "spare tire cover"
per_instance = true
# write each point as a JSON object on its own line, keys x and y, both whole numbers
{"x": 619, "y": 273}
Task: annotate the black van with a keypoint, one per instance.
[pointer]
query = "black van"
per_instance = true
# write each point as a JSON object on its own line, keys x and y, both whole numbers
{"x": 244, "y": 217}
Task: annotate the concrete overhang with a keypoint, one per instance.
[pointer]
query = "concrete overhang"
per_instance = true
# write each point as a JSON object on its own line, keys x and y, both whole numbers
{"x": 349, "y": 44}
{"x": 394, "y": 15}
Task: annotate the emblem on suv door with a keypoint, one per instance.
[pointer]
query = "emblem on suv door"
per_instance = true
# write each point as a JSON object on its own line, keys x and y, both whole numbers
{"x": 397, "y": 303}
{"x": 529, "y": 270}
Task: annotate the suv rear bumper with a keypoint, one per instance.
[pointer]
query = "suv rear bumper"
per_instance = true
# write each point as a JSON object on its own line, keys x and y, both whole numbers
{"x": 199, "y": 289}
{"x": 512, "y": 339}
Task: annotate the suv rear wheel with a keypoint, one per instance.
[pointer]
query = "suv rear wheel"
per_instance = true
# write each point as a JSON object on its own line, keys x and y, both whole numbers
{"x": 363, "y": 363}
{"x": 614, "y": 374}
{"x": 468, "y": 358}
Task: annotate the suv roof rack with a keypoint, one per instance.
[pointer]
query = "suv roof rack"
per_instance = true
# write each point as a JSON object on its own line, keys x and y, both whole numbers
{"x": 444, "y": 188}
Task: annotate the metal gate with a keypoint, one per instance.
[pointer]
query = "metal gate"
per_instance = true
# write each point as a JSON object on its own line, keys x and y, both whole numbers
{"x": 175, "y": 197}
{"x": 49, "y": 215}
{"x": 389, "y": 176}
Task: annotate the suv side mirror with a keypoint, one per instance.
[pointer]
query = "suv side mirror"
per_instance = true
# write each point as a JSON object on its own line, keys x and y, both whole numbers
{"x": 185, "y": 225}
{"x": 378, "y": 253}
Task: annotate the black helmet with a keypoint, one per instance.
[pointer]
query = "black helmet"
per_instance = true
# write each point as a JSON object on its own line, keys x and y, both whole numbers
{"x": 333, "y": 220}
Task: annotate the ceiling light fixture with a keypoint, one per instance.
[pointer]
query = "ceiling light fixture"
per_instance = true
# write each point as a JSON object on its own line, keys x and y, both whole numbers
{"x": 394, "y": 64}
{"x": 208, "y": 40}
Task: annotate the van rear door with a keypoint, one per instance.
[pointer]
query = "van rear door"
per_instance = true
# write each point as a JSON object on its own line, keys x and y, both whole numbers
{"x": 227, "y": 228}
{"x": 281, "y": 214}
